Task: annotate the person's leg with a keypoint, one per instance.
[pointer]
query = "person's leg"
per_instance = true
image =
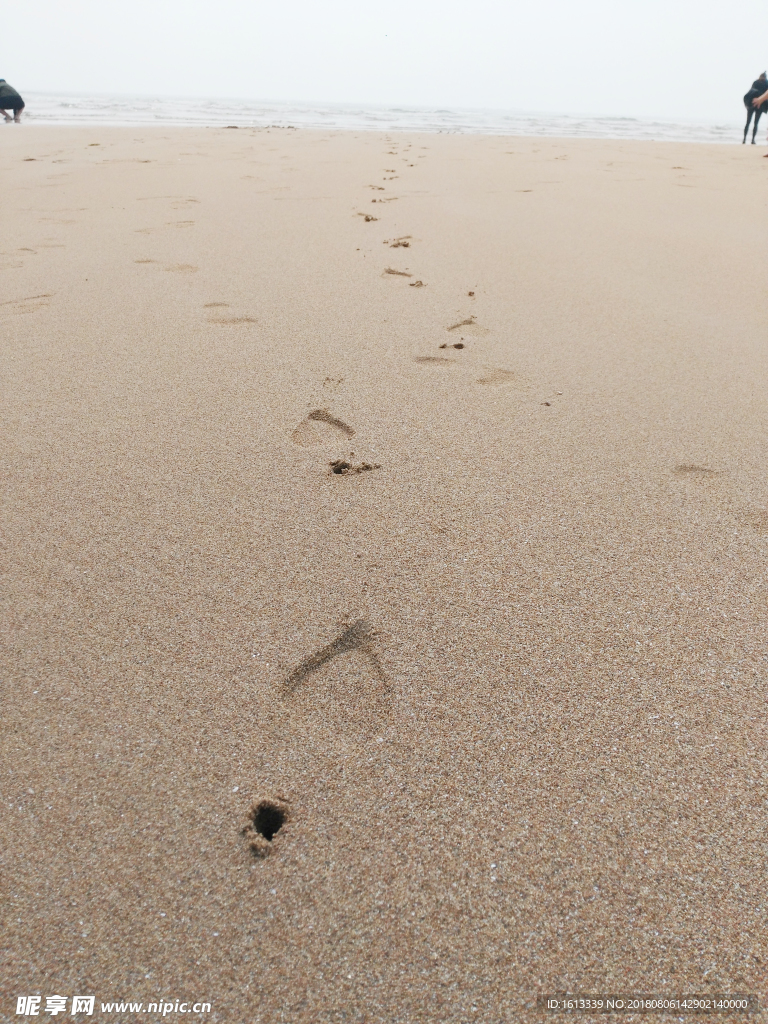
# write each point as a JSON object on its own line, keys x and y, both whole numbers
{"x": 7, "y": 116}
{"x": 750, "y": 110}
{"x": 17, "y": 114}
{"x": 758, "y": 113}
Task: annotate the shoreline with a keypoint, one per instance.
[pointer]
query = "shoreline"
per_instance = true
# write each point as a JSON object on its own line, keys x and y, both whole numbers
{"x": 186, "y": 112}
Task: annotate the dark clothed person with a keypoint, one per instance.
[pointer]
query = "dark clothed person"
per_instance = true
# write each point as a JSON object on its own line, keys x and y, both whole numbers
{"x": 757, "y": 91}
{"x": 10, "y": 100}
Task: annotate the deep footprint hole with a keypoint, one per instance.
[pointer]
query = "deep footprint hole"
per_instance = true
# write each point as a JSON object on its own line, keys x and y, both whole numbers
{"x": 268, "y": 819}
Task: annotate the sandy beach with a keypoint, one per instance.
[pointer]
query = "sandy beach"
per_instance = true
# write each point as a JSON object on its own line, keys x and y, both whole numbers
{"x": 414, "y": 486}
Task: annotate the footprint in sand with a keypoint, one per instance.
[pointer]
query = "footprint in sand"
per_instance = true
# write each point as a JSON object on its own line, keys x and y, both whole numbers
{"x": 757, "y": 519}
{"x": 341, "y": 689}
{"x": 435, "y": 360}
{"x": 696, "y": 472}
{"x": 30, "y": 304}
{"x": 469, "y": 326}
{"x": 498, "y": 378}
{"x": 179, "y": 223}
{"x": 183, "y": 268}
{"x": 232, "y": 320}
{"x": 399, "y": 243}
{"x": 357, "y": 637}
{"x": 320, "y": 426}
{"x": 396, "y": 273}
{"x": 145, "y": 261}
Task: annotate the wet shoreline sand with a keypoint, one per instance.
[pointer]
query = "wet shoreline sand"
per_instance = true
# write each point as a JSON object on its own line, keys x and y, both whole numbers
{"x": 484, "y": 625}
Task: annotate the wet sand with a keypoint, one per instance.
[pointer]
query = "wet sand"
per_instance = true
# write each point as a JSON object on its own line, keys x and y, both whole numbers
{"x": 416, "y": 487}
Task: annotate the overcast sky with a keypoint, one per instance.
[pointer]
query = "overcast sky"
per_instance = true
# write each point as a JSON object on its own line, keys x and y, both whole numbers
{"x": 668, "y": 58}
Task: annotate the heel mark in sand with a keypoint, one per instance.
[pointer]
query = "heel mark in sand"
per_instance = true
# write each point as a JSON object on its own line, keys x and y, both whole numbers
{"x": 323, "y": 416}
{"x": 497, "y": 377}
{"x": 307, "y": 433}
{"x": 357, "y": 637}
{"x": 469, "y": 326}
{"x": 265, "y": 820}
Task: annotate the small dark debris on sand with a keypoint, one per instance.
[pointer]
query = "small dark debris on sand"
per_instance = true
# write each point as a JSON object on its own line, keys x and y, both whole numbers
{"x": 343, "y": 468}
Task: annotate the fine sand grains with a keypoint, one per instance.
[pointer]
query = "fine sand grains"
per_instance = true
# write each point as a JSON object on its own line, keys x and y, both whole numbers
{"x": 384, "y": 591}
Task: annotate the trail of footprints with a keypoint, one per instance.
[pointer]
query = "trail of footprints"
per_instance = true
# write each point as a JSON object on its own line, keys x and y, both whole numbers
{"x": 468, "y": 327}
{"x": 305, "y": 682}
{"x": 321, "y": 427}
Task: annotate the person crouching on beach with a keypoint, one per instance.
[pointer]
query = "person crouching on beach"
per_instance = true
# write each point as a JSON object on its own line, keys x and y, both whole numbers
{"x": 10, "y": 100}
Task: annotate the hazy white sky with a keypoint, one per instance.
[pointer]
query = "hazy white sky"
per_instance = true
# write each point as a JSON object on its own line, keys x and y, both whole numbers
{"x": 625, "y": 57}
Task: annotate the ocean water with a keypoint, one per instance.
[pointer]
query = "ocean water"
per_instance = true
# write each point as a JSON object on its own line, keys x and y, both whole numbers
{"x": 125, "y": 110}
